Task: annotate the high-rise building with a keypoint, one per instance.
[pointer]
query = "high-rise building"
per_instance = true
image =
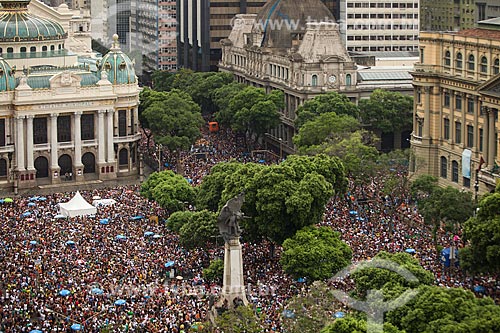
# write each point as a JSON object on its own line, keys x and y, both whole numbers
{"x": 381, "y": 25}
{"x": 455, "y": 127}
{"x": 487, "y": 9}
{"x": 118, "y": 21}
{"x": 447, "y": 15}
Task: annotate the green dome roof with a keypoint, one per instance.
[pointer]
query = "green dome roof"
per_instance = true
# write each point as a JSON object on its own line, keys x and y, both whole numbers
{"x": 118, "y": 65}
{"x": 7, "y": 79}
{"x": 17, "y": 25}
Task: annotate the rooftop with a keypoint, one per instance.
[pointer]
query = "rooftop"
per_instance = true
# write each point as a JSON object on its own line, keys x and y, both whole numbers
{"x": 480, "y": 33}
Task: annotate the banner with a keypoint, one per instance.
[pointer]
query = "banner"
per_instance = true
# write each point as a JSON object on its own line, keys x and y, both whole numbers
{"x": 466, "y": 155}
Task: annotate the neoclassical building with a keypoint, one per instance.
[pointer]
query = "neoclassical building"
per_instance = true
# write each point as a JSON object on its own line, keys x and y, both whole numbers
{"x": 457, "y": 98}
{"x": 60, "y": 121}
{"x": 295, "y": 46}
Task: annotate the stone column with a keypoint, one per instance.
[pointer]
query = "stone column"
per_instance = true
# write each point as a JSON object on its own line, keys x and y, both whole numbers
{"x": 77, "y": 138}
{"x": 101, "y": 142}
{"x": 110, "y": 145}
{"x": 491, "y": 138}
{"x": 477, "y": 110}
{"x": 464, "y": 120}
{"x": 128, "y": 122}
{"x": 136, "y": 120}
{"x": 29, "y": 143}
{"x": 427, "y": 113}
{"x": 233, "y": 284}
{"x": 53, "y": 141}
{"x": 20, "y": 143}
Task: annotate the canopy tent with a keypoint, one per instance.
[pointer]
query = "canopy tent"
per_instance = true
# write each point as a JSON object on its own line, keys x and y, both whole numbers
{"x": 103, "y": 202}
{"x": 77, "y": 206}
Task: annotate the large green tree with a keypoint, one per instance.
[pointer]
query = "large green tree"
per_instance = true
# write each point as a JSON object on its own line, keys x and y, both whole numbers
{"x": 423, "y": 186}
{"x": 325, "y": 103}
{"x": 170, "y": 190}
{"x": 200, "y": 229}
{"x": 174, "y": 119}
{"x": 163, "y": 80}
{"x": 482, "y": 253}
{"x": 387, "y": 111}
{"x": 222, "y": 98}
{"x": 315, "y": 253}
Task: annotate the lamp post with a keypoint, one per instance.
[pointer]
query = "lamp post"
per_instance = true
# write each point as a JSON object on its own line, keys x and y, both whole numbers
{"x": 476, "y": 186}
{"x": 160, "y": 146}
{"x": 281, "y": 149}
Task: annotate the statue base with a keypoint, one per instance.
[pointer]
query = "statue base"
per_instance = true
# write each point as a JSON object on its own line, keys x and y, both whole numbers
{"x": 233, "y": 286}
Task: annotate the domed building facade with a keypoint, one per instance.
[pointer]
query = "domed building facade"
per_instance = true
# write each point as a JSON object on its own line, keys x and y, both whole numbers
{"x": 61, "y": 122}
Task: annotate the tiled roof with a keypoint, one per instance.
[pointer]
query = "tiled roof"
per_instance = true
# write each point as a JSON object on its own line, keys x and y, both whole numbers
{"x": 384, "y": 76}
{"x": 480, "y": 33}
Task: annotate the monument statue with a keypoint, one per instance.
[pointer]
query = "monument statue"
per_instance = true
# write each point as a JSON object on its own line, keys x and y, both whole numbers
{"x": 230, "y": 216}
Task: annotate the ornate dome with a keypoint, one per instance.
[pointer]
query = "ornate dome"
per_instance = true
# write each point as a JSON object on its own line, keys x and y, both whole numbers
{"x": 282, "y": 21}
{"x": 7, "y": 79}
{"x": 17, "y": 25}
{"x": 118, "y": 65}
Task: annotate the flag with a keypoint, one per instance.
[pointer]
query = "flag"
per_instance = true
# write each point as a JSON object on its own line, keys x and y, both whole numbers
{"x": 481, "y": 162}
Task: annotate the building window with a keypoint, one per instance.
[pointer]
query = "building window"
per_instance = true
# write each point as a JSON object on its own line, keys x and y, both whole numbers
{"x": 348, "y": 80}
{"x": 484, "y": 65}
{"x": 446, "y": 133}
{"x": 3, "y": 167}
{"x": 480, "y": 139}
{"x": 419, "y": 96}
{"x": 40, "y": 130}
{"x": 466, "y": 182}
{"x": 454, "y": 171}
{"x": 44, "y": 48}
{"x": 470, "y": 105}
{"x": 2, "y": 132}
{"x": 458, "y": 132}
{"x": 459, "y": 61}
{"x": 447, "y": 99}
{"x": 33, "y": 49}
{"x": 458, "y": 102}
{"x": 64, "y": 129}
{"x": 23, "y": 49}
{"x": 447, "y": 59}
{"x": 470, "y": 136}
{"x": 471, "y": 63}
{"x": 444, "y": 167}
{"x": 420, "y": 128}
{"x": 421, "y": 56}
{"x": 122, "y": 123}
{"x": 314, "y": 80}
{"x": 496, "y": 66}
{"x": 123, "y": 157}
{"x": 87, "y": 126}
{"x": 10, "y": 50}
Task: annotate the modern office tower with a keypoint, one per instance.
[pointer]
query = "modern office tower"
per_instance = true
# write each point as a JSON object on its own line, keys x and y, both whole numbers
{"x": 447, "y": 15}
{"x": 118, "y": 14}
{"x": 455, "y": 127}
{"x": 381, "y": 25}
{"x": 487, "y": 9}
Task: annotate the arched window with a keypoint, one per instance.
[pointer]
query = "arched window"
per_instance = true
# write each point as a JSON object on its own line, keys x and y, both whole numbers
{"x": 23, "y": 49}
{"x": 44, "y": 48}
{"x": 10, "y": 50}
{"x": 496, "y": 66}
{"x": 471, "y": 63}
{"x": 484, "y": 65}
{"x": 459, "y": 61}
{"x": 447, "y": 59}
{"x": 444, "y": 167}
{"x": 123, "y": 157}
{"x": 348, "y": 80}
{"x": 314, "y": 80}
{"x": 33, "y": 49}
{"x": 52, "y": 47}
{"x": 1, "y": 50}
{"x": 454, "y": 169}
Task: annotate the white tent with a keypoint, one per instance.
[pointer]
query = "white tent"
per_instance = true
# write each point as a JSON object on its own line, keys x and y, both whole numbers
{"x": 77, "y": 206}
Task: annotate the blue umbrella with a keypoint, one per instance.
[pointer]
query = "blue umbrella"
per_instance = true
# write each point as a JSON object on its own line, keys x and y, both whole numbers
{"x": 339, "y": 314}
{"x": 97, "y": 291}
{"x": 2, "y": 201}
{"x": 70, "y": 243}
{"x": 64, "y": 292}
{"x": 26, "y": 214}
{"x": 167, "y": 165}
{"x": 31, "y": 204}
{"x": 33, "y": 198}
{"x": 104, "y": 221}
{"x": 138, "y": 217}
{"x": 262, "y": 161}
{"x": 120, "y": 302}
{"x": 157, "y": 236}
{"x": 169, "y": 263}
{"x": 42, "y": 199}
{"x": 479, "y": 289}
{"x": 288, "y": 314}
{"x": 76, "y": 327}
{"x": 353, "y": 212}
{"x": 33, "y": 242}
{"x": 410, "y": 251}
{"x": 301, "y": 280}
{"x": 36, "y": 331}
{"x": 120, "y": 237}
{"x": 359, "y": 218}
{"x": 189, "y": 180}
{"x": 148, "y": 233}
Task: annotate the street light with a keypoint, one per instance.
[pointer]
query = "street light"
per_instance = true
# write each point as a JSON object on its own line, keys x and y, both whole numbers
{"x": 160, "y": 146}
{"x": 281, "y": 149}
{"x": 476, "y": 186}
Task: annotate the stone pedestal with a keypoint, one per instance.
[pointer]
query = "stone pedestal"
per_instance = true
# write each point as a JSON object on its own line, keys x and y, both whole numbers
{"x": 233, "y": 286}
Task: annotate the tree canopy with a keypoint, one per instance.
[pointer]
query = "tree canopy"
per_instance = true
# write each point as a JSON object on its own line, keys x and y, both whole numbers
{"x": 315, "y": 253}
{"x": 325, "y": 103}
{"x": 387, "y": 111}
{"x": 482, "y": 254}
{"x": 200, "y": 229}
{"x": 173, "y": 118}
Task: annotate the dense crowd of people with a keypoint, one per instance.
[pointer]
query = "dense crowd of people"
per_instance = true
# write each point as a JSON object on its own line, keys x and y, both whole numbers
{"x": 122, "y": 270}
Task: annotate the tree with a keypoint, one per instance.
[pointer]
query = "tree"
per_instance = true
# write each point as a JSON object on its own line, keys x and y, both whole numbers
{"x": 163, "y": 80}
{"x": 355, "y": 325}
{"x": 214, "y": 272}
{"x": 447, "y": 205}
{"x": 423, "y": 186}
{"x": 177, "y": 219}
{"x": 174, "y": 119}
{"x": 242, "y": 319}
{"x": 482, "y": 253}
{"x": 325, "y": 103}
{"x": 170, "y": 190}
{"x": 222, "y": 97}
{"x": 387, "y": 111}
{"x": 315, "y": 253}
{"x": 200, "y": 229}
